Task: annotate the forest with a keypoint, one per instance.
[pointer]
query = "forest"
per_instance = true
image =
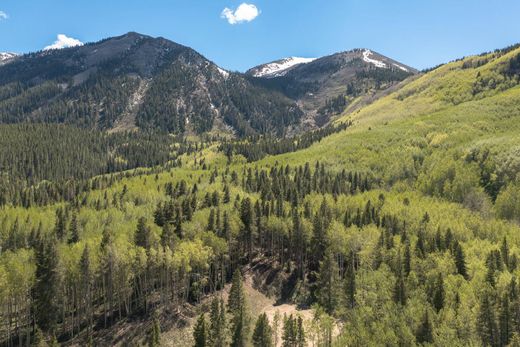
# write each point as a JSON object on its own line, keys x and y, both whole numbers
{"x": 397, "y": 225}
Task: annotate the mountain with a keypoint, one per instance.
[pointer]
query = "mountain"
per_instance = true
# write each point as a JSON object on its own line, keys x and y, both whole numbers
{"x": 278, "y": 68}
{"x": 6, "y": 57}
{"x": 324, "y": 87}
{"x": 136, "y": 81}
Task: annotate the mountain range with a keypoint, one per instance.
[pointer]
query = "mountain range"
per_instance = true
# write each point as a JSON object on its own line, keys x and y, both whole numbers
{"x": 395, "y": 224}
{"x": 137, "y": 81}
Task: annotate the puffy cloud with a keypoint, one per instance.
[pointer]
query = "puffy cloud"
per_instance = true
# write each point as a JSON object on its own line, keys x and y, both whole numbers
{"x": 243, "y": 13}
{"x": 64, "y": 41}
{"x": 3, "y": 15}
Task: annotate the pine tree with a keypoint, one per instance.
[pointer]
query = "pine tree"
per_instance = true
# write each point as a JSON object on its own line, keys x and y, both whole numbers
{"x": 505, "y": 321}
{"x": 227, "y": 196}
{"x": 290, "y": 332}
{"x": 200, "y": 332}
{"x": 438, "y": 293}
{"x": 86, "y": 287}
{"x": 276, "y": 327}
{"x": 211, "y": 221}
{"x": 246, "y": 216}
{"x": 486, "y": 322}
{"x": 504, "y": 252}
{"x": 350, "y": 283}
{"x": 300, "y": 334}
{"x": 425, "y": 331}
{"x": 142, "y": 234}
{"x": 237, "y": 306}
{"x": 39, "y": 338}
{"x": 460, "y": 261}
{"x": 59, "y": 228}
{"x": 407, "y": 263}
{"x": 400, "y": 290}
{"x": 154, "y": 337}
{"x": 73, "y": 230}
{"x": 47, "y": 284}
{"x": 328, "y": 283}
{"x": 217, "y": 333}
{"x": 262, "y": 335}
{"x": 226, "y": 229}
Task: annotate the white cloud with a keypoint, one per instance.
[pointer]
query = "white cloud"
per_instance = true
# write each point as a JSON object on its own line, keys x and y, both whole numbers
{"x": 243, "y": 13}
{"x": 64, "y": 41}
{"x": 3, "y": 16}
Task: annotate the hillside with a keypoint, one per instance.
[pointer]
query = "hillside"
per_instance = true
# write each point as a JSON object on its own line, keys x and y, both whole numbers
{"x": 399, "y": 228}
{"x": 138, "y": 81}
{"x": 324, "y": 87}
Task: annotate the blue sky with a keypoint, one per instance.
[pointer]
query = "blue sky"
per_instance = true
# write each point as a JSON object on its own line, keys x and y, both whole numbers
{"x": 420, "y": 33}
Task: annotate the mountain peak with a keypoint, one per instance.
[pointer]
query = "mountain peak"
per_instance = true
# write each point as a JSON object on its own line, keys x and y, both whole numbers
{"x": 6, "y": 57}
{"x": 278, "y": 68}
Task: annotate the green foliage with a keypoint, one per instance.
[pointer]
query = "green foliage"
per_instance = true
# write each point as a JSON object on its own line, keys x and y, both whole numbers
{"x": 262, "y": 334}
{"x": 200, "y": 332}
{"x": 237, "y": 306}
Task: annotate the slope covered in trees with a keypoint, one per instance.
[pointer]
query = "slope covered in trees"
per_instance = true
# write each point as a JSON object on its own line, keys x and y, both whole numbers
{"x": 150, "y": 83}
{"x": 403, "y": 228}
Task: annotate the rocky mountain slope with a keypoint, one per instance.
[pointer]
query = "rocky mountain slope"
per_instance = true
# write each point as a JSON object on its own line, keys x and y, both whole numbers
{"x": 136, "y": 80}
{"x": 324, "y": 87}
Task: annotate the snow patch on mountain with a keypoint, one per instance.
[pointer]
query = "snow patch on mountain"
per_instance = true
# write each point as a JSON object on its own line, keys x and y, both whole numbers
{"x": 5, "y": 56}
{"x": 223, "y": 72}
{"x": 366, "y": 57}
{"x": 401, "y": 67}
{"x": 280, "y": 67}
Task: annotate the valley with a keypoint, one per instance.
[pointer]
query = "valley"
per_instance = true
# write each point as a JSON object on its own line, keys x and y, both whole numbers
{"x": 140, "y": 184}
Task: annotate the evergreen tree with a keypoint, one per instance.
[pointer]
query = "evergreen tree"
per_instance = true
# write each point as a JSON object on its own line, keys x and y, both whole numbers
{"x": 59, "y": 228}
{"x": 217, "y": 333}
{"x": 211, "y": 221}
{"x": 460, "y": 261}
{"x": 73, "y": 229}
{"x": 47, "y": 284}
{"x": 505, "y": 321}
{"x": 290, "y": 332}
{"x": 237, "y": 306}
{"x": 154, "y": 337}
{"x": 300, "y": 334}
{"x": 262, "y": 335}
{"x": 328, "y": 283}
{"x": 350, "y": 282}
{"x": 227, "y": 196}
{"x": 407, "y": 263}
{"x": 246, "y": 216}
{"x": 200, "y": 332}
{"x": 438, "y": 293}
{"x": 226, "y": 229}
{"x": 319, "y": 242}
{"x": 39, "y": 338}
{"x": 486, "y": 322}
{"x": 142, "y": 234}
{"x": 425, "y": 331}
{"x": 504, "y": 252}
{"x": 400, "y": 290}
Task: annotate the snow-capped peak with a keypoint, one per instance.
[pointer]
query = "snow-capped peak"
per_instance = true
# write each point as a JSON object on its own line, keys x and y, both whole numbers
{"x": 280, "y": 67}
{"x": 4, "y": 56}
